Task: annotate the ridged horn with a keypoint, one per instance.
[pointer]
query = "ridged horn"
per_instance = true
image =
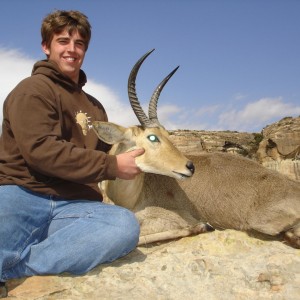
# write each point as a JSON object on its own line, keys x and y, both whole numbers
{"x": 133, "y": 99}
{"x": 152, "y": 111}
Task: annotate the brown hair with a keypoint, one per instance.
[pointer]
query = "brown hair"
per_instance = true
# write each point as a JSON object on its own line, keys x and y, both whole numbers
{"x": 59, "y": 20}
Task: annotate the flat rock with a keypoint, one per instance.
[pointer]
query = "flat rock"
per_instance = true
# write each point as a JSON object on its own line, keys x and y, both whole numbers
{"x": 218, "y": 265}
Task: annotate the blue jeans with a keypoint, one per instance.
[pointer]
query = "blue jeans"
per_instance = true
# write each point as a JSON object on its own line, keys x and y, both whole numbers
{"x": 41, "y": 235}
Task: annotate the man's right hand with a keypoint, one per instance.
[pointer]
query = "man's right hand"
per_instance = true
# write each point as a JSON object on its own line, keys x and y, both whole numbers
{"x": 127, "y": 168}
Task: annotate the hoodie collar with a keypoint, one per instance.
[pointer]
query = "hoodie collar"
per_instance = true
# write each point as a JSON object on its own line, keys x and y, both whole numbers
{"x": 51, "y": 69}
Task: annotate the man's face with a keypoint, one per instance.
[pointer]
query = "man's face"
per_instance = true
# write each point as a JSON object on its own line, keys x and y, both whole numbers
{"x": 68, "y": 52}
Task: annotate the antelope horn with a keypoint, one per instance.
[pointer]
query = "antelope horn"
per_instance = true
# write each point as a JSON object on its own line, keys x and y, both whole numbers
{"x": 152, "y": 111}
{"x": 135, "y": 104}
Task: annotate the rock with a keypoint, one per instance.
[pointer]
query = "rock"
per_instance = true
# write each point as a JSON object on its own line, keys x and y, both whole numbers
{"x": 218, "y": 265}
{"x": 280, "y": 147}
{"x": 288, "y": 167}
{"x": 283, "y": 138}
{"x": 196, "y": 141}
{"x": 276, "y": 148}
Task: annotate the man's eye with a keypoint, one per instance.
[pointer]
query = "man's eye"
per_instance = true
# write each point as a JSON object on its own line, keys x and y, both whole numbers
{"x": 153, "y": 138}
{"x": 81, "y": 44}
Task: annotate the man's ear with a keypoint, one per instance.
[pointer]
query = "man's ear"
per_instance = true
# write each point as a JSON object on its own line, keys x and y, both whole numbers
{"x": 45, "y": 49}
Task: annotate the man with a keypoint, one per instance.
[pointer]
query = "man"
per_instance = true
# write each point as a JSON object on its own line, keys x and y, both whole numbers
{"x": 51, "y": 216}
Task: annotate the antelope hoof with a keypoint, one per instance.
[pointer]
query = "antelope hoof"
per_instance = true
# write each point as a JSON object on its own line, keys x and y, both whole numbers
{"x": 292, "y": 237}
{"x": 201, "y": 228}
{"x": 209, "y": 228}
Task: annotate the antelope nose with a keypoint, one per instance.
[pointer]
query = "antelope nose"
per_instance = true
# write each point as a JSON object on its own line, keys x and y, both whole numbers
{"x": 190, "y": 166}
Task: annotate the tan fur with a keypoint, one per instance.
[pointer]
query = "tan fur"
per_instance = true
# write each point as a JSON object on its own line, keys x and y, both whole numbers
{"x": 227, "y": 191}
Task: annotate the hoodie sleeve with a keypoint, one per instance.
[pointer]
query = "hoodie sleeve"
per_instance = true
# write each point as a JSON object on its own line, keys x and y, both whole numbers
{"x": 36, "y": 125}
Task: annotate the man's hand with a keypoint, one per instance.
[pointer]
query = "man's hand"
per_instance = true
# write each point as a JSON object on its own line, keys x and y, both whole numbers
{"x": 127, "y": 168}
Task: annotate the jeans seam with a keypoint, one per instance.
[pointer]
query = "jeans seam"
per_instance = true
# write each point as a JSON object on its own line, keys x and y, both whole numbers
{"x": 76, "y": 216}
{"x": 20, "y": 250}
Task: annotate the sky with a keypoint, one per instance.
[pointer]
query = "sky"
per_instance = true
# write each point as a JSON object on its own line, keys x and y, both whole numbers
{"x": 239, "y": 59}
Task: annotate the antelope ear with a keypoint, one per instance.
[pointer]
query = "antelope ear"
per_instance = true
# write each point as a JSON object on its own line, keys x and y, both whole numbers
{"x": 109, "y": 133}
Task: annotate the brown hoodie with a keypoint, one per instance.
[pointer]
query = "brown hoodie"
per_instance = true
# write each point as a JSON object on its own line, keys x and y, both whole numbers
{"x": 46, "y": 143}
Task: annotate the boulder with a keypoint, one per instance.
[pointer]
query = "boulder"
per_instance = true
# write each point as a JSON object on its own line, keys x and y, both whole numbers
{"x": 280, "y": 148}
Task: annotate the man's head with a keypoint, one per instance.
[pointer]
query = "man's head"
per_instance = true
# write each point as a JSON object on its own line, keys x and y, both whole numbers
{"x": 62, "y": 20}
{"x": 65, "y": 39}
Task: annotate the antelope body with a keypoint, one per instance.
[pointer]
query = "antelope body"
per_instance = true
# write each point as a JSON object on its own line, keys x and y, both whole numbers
{"x": 224, "y": 190}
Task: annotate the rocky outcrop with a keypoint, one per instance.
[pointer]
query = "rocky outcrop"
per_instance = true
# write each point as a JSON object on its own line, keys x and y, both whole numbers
{"x": 288, "y": 167}
{"x": 282, "y": 139}
{"x": 277, "y": 147}
{"x": 219, "y": 265}
{"x": 195, "y": 141}
{"x": 280, "y": 147}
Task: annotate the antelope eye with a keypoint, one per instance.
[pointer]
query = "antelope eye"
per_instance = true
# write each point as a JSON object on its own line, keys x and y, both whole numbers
{"x": 153, "y": 138}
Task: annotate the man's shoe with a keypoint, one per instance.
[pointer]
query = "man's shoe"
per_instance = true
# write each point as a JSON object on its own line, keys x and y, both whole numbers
{"x": 3, "y": 290}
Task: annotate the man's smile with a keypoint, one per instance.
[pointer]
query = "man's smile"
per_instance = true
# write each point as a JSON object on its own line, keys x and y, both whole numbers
{"x": 70, "y": 59}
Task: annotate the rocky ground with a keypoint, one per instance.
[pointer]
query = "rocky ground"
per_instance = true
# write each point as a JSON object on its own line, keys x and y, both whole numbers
{"x": 219, "y": 265}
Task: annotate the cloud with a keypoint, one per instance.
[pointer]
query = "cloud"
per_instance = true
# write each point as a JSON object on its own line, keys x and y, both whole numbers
{"x": 239, "y": 96}
{"x": 207, "y": 110}
{"x": 14, "y": 67}
{"x": 118, "y": 112}
{"x": 257, "y": 114}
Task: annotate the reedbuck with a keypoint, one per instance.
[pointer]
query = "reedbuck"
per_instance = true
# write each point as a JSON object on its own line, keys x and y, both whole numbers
{"x": 223, "y": 190}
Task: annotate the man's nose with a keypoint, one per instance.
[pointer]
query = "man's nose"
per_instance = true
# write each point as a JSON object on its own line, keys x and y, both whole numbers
{"x": 71, "y": 47}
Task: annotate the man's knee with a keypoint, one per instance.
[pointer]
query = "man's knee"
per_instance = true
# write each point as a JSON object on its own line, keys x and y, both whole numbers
{"x": 131, "y": 227}
{"x": 109, "y": 237}
{"x": 124, "y": 225}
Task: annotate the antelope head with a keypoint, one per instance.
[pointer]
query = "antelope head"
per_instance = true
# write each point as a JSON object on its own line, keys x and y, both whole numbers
{"x": 161, "y": 156}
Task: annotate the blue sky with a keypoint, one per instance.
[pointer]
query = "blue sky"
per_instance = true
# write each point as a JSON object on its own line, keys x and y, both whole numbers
{"x": 239, "y": 59}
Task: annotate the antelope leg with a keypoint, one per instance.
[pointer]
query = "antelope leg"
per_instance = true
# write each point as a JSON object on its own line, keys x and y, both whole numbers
{"x": 174, "y": 234}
